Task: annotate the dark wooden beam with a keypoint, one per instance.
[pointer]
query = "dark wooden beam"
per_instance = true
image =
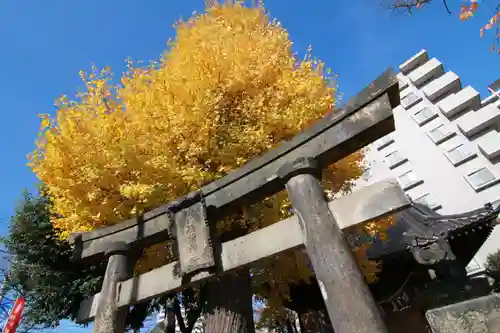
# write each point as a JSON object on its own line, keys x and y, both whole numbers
{"x": 366, "y": 117}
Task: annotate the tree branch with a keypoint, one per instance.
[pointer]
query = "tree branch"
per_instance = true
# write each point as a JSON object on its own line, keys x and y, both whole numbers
{"x": 179, "y": 317}
{"x": 446, "y": 6}
{"x": 191, "y": 323}
{"x": 407, "y": 6}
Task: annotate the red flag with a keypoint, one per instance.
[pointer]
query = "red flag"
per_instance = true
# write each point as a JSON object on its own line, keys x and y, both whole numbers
{"x": 15, "y": 316}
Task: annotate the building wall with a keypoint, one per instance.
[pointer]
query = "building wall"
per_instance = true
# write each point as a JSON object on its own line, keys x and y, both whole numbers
{"x": 441, "y": 177}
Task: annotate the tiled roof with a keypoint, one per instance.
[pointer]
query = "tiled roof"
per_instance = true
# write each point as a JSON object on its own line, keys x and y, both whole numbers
{"x": 419, "y": 225}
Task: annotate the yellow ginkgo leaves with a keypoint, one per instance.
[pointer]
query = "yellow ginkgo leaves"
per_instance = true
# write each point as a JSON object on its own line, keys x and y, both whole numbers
{"x": 227, "y": 89}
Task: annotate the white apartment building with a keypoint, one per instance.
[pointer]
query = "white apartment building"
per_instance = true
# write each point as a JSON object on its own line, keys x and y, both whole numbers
{"x": 445, "y": 150}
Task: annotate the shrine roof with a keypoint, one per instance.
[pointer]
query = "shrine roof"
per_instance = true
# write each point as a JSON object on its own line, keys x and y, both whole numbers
{"x": 419, "y": 226}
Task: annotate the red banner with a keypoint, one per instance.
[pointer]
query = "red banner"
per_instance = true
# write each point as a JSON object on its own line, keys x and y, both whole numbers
{"x": 15, "y": 316}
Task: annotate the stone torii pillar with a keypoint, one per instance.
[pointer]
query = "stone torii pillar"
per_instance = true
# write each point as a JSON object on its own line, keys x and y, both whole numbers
{"x": 109, "y": 318}
{"x": 349, "y": 302}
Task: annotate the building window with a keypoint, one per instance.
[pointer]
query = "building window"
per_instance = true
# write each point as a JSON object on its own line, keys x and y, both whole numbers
{"x": 409, "y": 180}
{"x": 424, "y": 116}
{"x": 403, "y": 84}
{"x": 460, "y": 154}
{"x": 409, "y": 100}
{"x": 428, "y": 201}
{"x": 395, "y": 159}
{"x": 440, "y": 134}
{"x": 384, "y": 142}
{"x": 481, "y": 178}
{"x": 404, "y": 92}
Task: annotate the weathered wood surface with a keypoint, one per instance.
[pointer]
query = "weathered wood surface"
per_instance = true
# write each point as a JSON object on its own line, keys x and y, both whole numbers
{"x": 361, "y": 206}
{"x": 365, "y": 118}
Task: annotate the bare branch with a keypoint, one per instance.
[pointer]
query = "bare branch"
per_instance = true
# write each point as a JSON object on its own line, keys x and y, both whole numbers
{"x": 105, "y": 102}
{"x": 407, "y": 6}
{"x": 8, "y": 282}
{"x": 446, "y": 6}
{"x": 28, "y": 328}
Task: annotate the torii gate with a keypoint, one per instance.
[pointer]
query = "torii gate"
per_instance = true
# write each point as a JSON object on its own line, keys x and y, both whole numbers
{"x": 295, "y": 165}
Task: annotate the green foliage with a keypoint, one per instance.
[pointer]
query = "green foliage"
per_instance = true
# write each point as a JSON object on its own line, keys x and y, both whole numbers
{"x": 53, "y": 286}
{"x": 493, "y": 268}
{"x": 41, "y": 269}
{"x": 275, "y": 319}
{"x": 493, "y": 262}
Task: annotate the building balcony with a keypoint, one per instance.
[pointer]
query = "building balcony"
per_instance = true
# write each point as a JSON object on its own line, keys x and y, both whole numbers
{"x": 428, "y": 200}
{"x": 395, "y": 159}
{"x": 405, "y": 91}
{"x": 492, "y": 99}
{"x": 409, "y": 180}
{"x": 474, "y": 122}
{"x": 384, "y": 142}
{"x": 410, "y": 100}
{"x": 441, "y": 133}
{"x": 467, "y": 98}
{"x": 403, "y": 82}
{"x": 445, "y": 84}
{"x": 489, "y": 144}
{"x": 417, "y": 60}
{"x": 432, "y": 69}
{"x": 424, "y": 115}
{"x": 460, "y": 154}
{"x": 481, "y": 179}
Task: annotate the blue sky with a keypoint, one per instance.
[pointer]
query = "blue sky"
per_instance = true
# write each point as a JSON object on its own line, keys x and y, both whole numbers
{"x": 44, "y": 44}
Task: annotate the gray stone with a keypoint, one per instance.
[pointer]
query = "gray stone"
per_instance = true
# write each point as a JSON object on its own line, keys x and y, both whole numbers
{"x": 279, "y": 237}
{"x": 193, "y": 238}
{"x": 109, "y": 318}
{"x": 348, "y": 300}
{"x": 478, "y": 315}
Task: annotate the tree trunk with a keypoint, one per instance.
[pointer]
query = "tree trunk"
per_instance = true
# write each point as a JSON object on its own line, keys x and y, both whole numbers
{"x": 302, "y": 326}
{"x": 324, "y": 320}
{"x": 229, "y": 304}
{"x": 170, "y": 315}
{"x": 290, "y": 326}
{"x": 314, "y": 322}
{"x": 193, "y": 307}
{"x": 307, "y": 324}
{"x": 168, "y": 324}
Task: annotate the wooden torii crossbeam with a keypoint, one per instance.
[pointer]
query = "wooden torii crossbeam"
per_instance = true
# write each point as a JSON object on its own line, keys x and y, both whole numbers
{"x": 295, "y": 165}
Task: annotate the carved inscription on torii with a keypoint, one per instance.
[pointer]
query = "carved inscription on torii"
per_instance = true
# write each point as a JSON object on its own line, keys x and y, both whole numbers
{"x": 192, "y": 231}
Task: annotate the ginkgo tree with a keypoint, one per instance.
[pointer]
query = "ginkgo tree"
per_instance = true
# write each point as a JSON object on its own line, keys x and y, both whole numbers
{"x": 464, "y": 10}
{"x": 228, "y": 88}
